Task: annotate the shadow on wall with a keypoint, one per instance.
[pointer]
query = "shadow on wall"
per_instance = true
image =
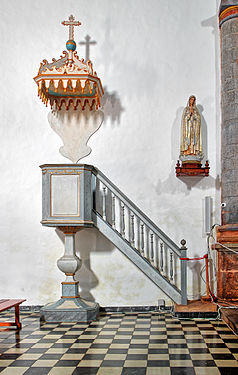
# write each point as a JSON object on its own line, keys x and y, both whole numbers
{"x": 134, "y": 72}
{"x": 87, "y": 43}
{"x": 171, "y": 185}
{"x": 111, "y": 103}
{"x": 111, "y": 106}
{"x": 212, "y": 24}
{"x": 195, "y": 268}
{"x": 198, "y": 269}
{"x": 204, "y": 133}
{"x": 88, "y": 240}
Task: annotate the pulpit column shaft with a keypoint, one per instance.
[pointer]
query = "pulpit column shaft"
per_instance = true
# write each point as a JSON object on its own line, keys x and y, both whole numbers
{"x": 69, "y": 263}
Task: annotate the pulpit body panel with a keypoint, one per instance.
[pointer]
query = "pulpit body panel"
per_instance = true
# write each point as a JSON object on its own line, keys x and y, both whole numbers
{"x": 67, "y": 195}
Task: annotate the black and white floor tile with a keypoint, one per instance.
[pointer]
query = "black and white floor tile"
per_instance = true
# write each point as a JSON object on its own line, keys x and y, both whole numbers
{"x": 119, "y": 344}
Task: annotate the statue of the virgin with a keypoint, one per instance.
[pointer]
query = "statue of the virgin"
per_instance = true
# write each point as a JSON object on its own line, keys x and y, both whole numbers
{"x": 191, "y": 138}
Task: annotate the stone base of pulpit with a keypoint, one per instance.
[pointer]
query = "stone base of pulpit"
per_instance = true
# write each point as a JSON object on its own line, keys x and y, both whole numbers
{"x": 70, "y": 310}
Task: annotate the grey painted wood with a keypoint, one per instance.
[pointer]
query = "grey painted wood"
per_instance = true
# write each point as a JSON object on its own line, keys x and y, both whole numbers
{"x": 171, "y": 290}
{"x": 183, "y": 275}
{"x": 56, "y": 186}
{"x": 137, "y": 212}
{"x": 142, "y": 240}
{"x": 137, "y": 236}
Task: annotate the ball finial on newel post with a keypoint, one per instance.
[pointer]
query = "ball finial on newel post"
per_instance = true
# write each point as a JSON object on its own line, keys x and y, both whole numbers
{"x": 183, "y": 243}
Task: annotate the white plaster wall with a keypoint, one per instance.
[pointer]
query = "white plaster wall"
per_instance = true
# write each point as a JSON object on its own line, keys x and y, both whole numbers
{"x": 150, "y": 55}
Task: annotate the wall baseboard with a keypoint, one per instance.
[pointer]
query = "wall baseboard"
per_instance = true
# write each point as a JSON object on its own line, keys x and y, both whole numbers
{"x": 123, "y": 309}
{"x": 107, "y": 309}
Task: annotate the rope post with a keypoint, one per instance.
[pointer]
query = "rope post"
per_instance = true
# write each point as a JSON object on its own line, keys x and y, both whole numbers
{"x": 207, "y": 278}
{"x": 183, "y": 250}
{"x": 206, "y": 298}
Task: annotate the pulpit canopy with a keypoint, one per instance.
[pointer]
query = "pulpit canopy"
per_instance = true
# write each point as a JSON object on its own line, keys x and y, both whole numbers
{"x": 69, "y": 81}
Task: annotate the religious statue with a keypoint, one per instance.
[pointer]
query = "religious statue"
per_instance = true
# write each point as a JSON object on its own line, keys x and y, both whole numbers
{"x": 191, "y": 137}
{"x": 191, "y": 153}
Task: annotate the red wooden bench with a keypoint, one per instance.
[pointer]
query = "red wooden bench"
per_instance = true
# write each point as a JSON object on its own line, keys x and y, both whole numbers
{"x": 7, "y": 304}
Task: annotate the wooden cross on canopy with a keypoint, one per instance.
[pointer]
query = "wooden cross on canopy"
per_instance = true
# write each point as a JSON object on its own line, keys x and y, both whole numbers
{"x": 87, "y": 44}
{"x": 71, "y": 23}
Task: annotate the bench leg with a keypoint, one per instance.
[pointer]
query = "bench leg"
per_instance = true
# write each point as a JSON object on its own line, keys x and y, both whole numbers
{"x": 17, "y": 316}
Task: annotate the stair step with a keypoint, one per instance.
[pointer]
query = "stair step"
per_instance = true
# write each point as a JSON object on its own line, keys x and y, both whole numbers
{"x": 196, "y": 309}
{"x": 230, "y": 316}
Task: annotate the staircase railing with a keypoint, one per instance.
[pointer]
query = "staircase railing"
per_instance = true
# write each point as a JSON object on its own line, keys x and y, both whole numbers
{"x": 144, "y": 236}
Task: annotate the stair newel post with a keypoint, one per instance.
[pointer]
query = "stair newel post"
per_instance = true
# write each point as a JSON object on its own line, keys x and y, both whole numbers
{"x": 132, "y": 232}
{"x": 122, "y": 214}
{"x": 171, "y": 266}
{"x": 113, "y": 212}
{"x": 161, "y": 257}
{"x": 142, "y": 242}
{"x": 151, "y": 255}
{"x": 104, "y": 203}
{"x": 183, "y": 251}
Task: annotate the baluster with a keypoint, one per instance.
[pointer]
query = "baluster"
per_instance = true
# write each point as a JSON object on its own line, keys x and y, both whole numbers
{"x": 142, "y": 242}
{"x": 104, "y": 203}
{"x": 146, "y": 243}
{"x": 122, "y": 220}
{"x": 128, "y": 224}
{"x": 161, "y": 257}
{"x": 151, "y": 255}
{"x": 132, "y": 232}
{"x": 113, "y": 212}
{"x": 97, "y": 196}
{"x": 156, "y": 253}
{"x": 171, "y": 266}
{"x": 137, "y": 241}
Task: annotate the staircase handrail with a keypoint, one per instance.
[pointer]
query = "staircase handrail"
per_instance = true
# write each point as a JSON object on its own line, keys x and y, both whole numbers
{"x": 144, "y": 218}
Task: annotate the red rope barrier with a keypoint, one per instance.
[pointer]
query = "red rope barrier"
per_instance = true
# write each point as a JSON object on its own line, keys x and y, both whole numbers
{"x": 204, "y": 257}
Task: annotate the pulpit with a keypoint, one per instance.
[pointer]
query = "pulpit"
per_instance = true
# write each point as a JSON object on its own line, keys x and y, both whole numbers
{"x": 74, "y": 91}
{"x": 67, "y": 196}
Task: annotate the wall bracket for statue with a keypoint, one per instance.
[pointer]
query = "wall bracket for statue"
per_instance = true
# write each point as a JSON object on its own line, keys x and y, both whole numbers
{"x": 191, "y": 152}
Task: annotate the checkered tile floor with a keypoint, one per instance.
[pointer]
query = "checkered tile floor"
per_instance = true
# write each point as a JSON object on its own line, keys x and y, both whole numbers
{"x": 119, "y": 344}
